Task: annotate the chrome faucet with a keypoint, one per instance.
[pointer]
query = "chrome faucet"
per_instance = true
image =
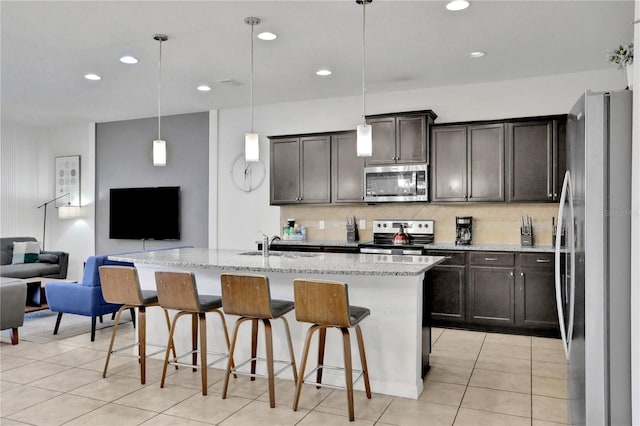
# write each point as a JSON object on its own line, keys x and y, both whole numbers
{"x": 266, "y": 243}
{"x": 272, "y": 239}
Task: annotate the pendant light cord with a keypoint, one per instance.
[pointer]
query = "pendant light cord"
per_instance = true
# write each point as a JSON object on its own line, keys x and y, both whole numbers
{"x": 159, "y": 84}
{"x": 364, "y": 45}
{"x": 251, "y": 78}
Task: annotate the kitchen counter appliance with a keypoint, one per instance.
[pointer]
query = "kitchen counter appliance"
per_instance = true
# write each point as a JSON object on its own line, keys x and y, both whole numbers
{"x": 593, "y": 278}
{"x": 400, "y": 237}
{"x": 463, "y": 230}
{"x": 396, "y": 183}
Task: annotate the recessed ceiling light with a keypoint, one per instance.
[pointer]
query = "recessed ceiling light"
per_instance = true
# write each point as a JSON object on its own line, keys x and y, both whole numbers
{"x": 267, "y": 36}
{"x": 204, "y": 88}
{"x": 323, "y": 72}
{"x": 127, "y": 59}
{"x": 476, "y": 54}
{"x": 93, "y": 77}
{"x": 456, "y": 5}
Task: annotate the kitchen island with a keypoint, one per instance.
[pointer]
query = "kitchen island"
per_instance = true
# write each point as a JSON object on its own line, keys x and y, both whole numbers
{"x": 391, "y": 288}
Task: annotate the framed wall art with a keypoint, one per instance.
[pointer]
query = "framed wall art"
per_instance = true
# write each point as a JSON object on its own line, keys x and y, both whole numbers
{"x": 68, "y": 181}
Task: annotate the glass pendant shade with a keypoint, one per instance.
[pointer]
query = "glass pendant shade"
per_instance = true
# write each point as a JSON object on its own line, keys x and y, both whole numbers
{"x": 159, "y": 153}
{"x": 251, "y": 147}
{"x": 364, "y": 142}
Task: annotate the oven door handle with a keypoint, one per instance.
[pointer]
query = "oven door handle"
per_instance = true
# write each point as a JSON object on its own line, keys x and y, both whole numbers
{"x": 412, "y": 252}
{"x": 371, "y": 250}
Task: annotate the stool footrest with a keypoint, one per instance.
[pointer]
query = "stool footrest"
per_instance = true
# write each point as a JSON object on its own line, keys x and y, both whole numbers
{"x": 174, "y": 361}
{"x": 330, "y": 367}
{"x": 122, "y": 348}
{"x": 235, "y": 370}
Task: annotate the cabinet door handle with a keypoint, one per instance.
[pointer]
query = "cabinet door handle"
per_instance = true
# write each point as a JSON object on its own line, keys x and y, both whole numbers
{"x": 492, "y": 259}
{"x": 522, "y": 274}
{"x": 550, "y": 195}
{"x": 543, "y": 260}
{"x": 511, "y": 274}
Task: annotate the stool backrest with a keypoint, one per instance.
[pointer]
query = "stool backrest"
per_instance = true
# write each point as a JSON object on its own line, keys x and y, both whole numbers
{"x": 321, "y": 302}
{"x": 177, "y": 290}
{"x": 246, "y": 295}
{"x": 120, "y": 284}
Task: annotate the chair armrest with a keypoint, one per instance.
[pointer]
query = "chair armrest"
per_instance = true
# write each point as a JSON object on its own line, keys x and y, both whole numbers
{"x": 13, "y": 297}
{"x": 63, "y": 261}
{"x": 73, "y": 298}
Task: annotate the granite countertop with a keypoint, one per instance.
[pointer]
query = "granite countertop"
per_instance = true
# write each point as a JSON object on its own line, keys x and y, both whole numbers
{"x": 285, "y": 262}
{"x": 321, "y": 243}
{"x": 539, "y": 248}
{"x": 493, "y": 247}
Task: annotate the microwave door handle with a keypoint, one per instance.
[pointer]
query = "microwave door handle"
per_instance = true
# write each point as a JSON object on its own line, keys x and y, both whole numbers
{"x": 558, "y": 275}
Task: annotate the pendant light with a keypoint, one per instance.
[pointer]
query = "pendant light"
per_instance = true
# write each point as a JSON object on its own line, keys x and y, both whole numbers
{"x": 364, "y": 144}
{"x": 251, "y": 139}
{"x": 159, "y": 145}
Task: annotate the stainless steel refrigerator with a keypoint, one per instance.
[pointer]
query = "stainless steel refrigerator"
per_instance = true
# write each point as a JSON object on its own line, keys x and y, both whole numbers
{"x": 593, "y": 260}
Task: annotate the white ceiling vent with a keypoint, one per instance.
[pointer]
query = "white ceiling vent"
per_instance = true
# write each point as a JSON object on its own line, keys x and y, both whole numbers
{"x": 229, "y": 82}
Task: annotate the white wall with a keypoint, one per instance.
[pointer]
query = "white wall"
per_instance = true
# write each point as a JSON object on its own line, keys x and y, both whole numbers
{"x": 240, "y": 215}
{"x": 75, "y": 236}
{"x": 23, "y": 152}
{"x": 27, "y": 181}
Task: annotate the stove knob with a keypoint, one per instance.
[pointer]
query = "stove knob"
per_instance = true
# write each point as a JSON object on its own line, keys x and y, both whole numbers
{"x": 419, "y": 225}
{"x": 384, "y": 225}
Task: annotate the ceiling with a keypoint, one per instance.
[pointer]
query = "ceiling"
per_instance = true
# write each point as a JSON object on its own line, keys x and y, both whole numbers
{"x": 48, "y": 46}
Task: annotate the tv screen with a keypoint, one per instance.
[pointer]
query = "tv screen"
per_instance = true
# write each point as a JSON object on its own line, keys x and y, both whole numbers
{"x": 145, "y": 213}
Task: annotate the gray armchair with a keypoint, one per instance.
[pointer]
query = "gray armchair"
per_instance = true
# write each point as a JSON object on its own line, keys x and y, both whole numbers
{"x": 13, "y": 299}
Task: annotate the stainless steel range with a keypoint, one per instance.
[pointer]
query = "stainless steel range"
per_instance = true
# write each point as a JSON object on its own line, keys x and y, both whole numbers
{"x": 417, "y": 235}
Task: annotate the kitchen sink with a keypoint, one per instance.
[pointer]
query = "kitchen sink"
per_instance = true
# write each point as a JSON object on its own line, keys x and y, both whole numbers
{"x": 280, "y": 253}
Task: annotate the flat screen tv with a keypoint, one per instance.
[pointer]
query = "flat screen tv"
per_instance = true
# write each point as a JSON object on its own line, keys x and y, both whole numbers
{"x": 144, "y": 213}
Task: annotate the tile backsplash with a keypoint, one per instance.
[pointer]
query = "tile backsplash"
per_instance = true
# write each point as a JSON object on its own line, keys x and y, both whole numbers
{"x": 492, "y": 223}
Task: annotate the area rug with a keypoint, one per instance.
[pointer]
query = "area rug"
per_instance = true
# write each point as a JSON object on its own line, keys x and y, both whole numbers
{"x": 38, "y": 326}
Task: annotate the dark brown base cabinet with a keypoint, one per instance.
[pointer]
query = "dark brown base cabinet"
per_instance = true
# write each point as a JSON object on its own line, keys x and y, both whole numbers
{"x": 491, "y": 288}
{"x": 445, "y": 290}
{"x": 493, "y": 291}
{"x": 491, "y": 296}
{"x": 535, "y": 292}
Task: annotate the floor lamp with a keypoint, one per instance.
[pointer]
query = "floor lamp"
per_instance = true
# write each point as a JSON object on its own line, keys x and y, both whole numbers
{"x": 44, "y": 227}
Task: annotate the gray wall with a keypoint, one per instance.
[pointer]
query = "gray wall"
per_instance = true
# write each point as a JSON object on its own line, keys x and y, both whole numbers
{"x": 124, "y": 159}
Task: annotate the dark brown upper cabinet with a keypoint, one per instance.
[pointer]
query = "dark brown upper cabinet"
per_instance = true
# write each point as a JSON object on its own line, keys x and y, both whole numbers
{"x": 347, "y": 169}
{"x": 467, "y": 163}
{"x": 535, "y": 160}
{"x": 400, "y": 138}
{"x": 300, "y": 170}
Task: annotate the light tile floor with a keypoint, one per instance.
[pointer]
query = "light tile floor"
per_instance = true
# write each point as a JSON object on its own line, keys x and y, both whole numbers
{"x": 475, "y": 379}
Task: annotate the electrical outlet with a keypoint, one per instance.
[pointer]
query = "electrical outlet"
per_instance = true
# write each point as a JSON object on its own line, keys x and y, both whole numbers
{"x": 363, "y": 224}
{"x": 321, "y": 224}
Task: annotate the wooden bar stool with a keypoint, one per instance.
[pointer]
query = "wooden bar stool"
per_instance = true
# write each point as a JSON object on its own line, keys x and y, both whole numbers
{"x": 120, "y": 284}
{"x": 177, "y": 290}
{"x": 249, "y": 297}
{"x": 326, "y": 304}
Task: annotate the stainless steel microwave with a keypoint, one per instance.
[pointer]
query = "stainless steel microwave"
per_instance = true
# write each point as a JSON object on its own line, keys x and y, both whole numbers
{"x": 396, "y": 183}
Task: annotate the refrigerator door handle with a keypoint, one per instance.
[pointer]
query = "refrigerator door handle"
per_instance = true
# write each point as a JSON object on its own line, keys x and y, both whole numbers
{"x": 558, "y": 275}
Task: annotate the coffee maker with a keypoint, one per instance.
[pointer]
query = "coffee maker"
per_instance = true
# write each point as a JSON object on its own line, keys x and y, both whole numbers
{"x": 463, "y": 230}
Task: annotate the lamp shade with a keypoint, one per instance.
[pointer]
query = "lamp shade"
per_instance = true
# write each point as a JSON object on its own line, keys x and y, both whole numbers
{"x": 251, "y": 147}
{"x": 159, "y": 152}
{"x": 69, "y": 212}
{"x": 364, "y": 143}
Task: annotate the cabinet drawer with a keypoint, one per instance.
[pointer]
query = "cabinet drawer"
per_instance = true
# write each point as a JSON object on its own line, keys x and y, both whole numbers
{"x": 536, "y": 259}
{"x": 452, "y": 257}
{"x": 490, "y": 258}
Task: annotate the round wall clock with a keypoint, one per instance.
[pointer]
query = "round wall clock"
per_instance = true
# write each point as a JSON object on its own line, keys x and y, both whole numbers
{"x": 247, "y": 176}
